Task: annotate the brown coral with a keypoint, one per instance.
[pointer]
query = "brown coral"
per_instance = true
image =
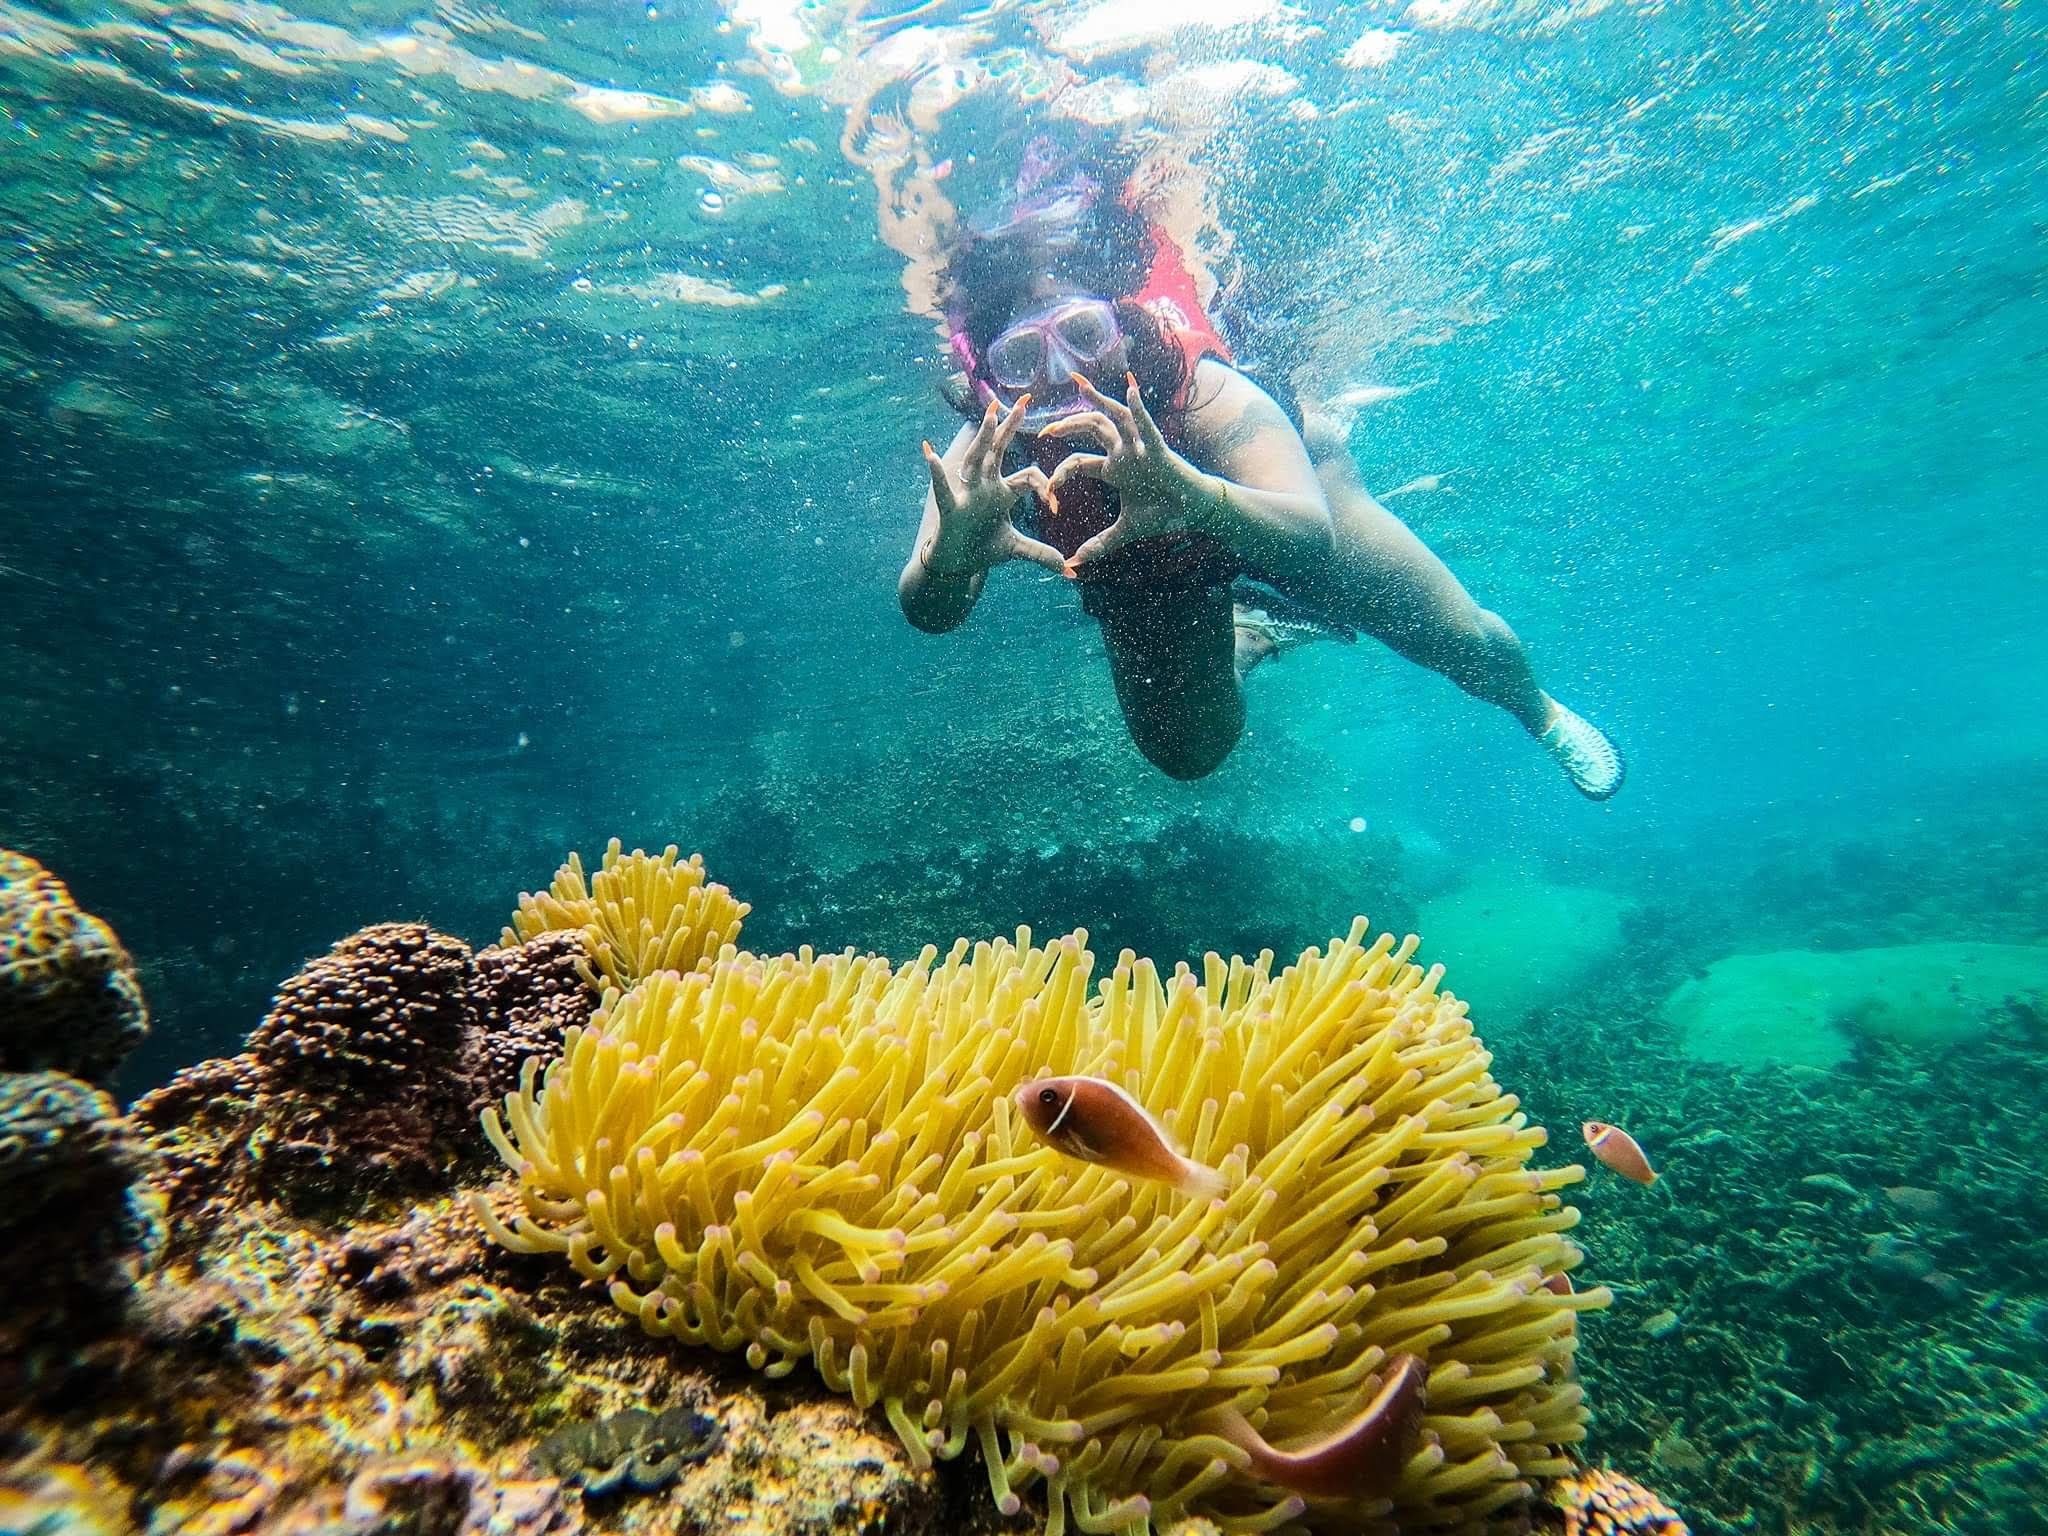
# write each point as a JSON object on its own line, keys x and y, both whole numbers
{"x": 365, "y": 1077}
{"x": 527, "y": 997}
{"x": 69, "y": 998}
{"x": 361, "y": 1065}
{"x": 74, "y": 1228}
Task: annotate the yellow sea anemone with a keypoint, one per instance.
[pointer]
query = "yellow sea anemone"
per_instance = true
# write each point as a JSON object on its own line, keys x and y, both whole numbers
{"x": 816, "y": 1158}
{"x": 638, "y": 914}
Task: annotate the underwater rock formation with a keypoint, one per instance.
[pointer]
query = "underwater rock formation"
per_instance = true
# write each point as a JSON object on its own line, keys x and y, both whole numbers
{"x": 69, "y": 997}
{"x": 638, "y": 914}
{"x": 364, "y": 1079}
{"x": 1799, "y": 1007}
{"x": 815, "y": 1160}
{"x": 76, "y": 1226}
{"x": 1513, "y": 942}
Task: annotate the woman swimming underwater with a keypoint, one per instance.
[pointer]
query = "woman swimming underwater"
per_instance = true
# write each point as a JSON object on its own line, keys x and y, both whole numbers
{"x": 1111, "y": 438}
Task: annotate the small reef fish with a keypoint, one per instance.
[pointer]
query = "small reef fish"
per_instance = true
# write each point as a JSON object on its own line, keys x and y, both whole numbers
{"x": 1360, "y": 1460}
{"x": 1098, "y": 1122}
{"x": 1618, "y": 1150}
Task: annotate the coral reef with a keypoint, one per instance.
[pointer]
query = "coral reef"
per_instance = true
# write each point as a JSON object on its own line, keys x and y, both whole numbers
{"x": 638, "y": 914}
{"x": 69, "y": 998}
{"x": 364, "y": 1079}
{"x": 300, "y": 1366}
{"x": 526, "y": 998}
{"x": 1831, "y": 1324}
{"x": 76, "y": 1226}
{"x": 362, "y": 1060}
{"x": 1597, "y": 1502}
{"x": 816, "y": 1160}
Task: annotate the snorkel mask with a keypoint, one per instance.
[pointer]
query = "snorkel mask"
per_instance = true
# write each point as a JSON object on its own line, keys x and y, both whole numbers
{"x": 1040, "y": 354}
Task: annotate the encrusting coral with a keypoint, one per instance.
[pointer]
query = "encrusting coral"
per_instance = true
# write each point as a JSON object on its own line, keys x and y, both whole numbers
{"x": 817, "y": 1159}
{"x": 69, "y": 997}
{"x": 638, "y": 914}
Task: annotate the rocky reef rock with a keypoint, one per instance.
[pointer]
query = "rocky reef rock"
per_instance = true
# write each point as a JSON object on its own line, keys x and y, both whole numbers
{"x": 76, "y": 1226}
{"x": 365, "y": 1078}
{"x": 1809, "y": 1008}
{"x": 289, "y": 1377}
{"x": 69, "y": 998}
{"x": 1513, "y": 943}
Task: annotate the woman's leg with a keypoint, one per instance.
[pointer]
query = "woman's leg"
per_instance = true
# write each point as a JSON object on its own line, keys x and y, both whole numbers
{"x": 1381, "y": 579}
{"x": 1172, "y": 658}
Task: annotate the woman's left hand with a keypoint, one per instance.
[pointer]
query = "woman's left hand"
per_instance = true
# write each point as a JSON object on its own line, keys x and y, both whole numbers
{"x": 1158, "y": 489}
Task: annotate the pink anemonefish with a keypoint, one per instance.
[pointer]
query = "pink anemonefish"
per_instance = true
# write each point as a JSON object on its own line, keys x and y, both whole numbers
{"x": 1098, "y": 1122}
{"x": 1618, "y": 1150}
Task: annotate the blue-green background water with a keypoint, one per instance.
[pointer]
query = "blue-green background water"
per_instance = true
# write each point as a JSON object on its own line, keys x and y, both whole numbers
{"x": 424, "y": 454}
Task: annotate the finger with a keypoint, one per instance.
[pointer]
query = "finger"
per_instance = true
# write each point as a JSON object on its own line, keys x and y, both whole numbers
{"x": 1018, "y": 547}
{"x": 989, "y": 458}
{"x": 1148, "y": 429}
{"x": 977, "y": 447}
{"x": 1032, "y": 481}
{"x": 1113, "y": 408}
{"x": 1078, "y": 464}
{"x": 1105, "y": 543}
{"x": 942, "y": 487}
{"x": 1005, "y": 432}
{"x": 1093, "y": 423}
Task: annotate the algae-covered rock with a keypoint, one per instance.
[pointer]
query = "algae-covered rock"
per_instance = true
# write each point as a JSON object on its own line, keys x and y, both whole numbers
{"x": 1513, "y": 942}
{"x": 1806, "y": 1008}
{"x": 69, "y": 998}
{"x": 76, "y": 1227}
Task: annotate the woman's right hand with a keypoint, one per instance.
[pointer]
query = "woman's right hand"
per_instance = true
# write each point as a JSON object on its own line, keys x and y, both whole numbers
{"x": 977, "y": 506}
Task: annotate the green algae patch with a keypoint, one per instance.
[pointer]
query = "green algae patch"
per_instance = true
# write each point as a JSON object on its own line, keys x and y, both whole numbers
{"x": 1514, "y": 943}
{"x": 1807, "y": 1008}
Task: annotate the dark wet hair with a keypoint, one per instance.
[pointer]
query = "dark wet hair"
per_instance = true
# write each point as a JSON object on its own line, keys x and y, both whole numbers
{"x": 1088, "y": 241}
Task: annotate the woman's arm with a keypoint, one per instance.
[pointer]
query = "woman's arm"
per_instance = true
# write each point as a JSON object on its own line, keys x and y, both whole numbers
{"x": 1258, "y": 491}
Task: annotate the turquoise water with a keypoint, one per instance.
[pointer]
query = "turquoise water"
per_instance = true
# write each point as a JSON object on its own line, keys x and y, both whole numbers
{"x": 439, "y": 436}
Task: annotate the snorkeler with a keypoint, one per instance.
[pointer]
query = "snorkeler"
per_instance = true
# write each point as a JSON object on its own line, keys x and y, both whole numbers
{"x": 1110, "y": 437}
